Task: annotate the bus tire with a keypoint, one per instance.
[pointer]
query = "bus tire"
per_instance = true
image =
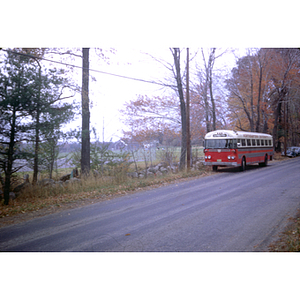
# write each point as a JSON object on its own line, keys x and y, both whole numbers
{"x": 215, "y": 168}
{"x": 266, "y": 161}
{"x": 243, "y": 165}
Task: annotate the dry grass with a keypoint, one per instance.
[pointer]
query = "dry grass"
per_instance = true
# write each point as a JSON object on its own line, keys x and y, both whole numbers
{"x": 36, "y": 198}
{"x": 279, "y": 157}
{"x": 289, "y": 239}
{"x": 41, "y": 201}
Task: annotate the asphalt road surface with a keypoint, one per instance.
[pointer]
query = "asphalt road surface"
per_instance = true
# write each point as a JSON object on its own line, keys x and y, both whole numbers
{"x": 228, "y": 211}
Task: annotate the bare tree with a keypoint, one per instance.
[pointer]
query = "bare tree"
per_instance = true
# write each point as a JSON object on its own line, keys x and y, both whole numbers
{"x": 177, "y": 74}
{"x": 209, "y": 72}
{"x": 205, "y": 88}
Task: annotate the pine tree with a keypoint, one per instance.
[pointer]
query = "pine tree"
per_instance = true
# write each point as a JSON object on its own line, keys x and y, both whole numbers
{"x": 31, "y": 109}
{"x": 15, "y": 99}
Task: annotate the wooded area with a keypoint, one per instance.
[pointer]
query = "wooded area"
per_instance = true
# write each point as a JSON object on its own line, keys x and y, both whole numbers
{"x": 259, "y": 93}
{"x": 264, "y": 94}
{"x": 32, "y": 111}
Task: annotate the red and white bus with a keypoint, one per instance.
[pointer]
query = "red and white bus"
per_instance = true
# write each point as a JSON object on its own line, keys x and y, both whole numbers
{"x": 225, "y": 148}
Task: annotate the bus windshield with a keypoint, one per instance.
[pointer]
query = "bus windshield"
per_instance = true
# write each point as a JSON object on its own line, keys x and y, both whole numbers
{"x": 220, "y": 144}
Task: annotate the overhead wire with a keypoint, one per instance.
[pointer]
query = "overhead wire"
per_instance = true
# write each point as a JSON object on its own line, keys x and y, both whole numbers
{"x": 92, "y": 70}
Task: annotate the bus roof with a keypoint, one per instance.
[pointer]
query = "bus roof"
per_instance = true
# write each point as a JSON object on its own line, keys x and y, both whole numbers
{"x": 221, "y": 134}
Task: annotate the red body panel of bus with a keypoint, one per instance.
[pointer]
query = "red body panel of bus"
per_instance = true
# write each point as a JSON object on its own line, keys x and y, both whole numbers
{"x": 220, "y": 157}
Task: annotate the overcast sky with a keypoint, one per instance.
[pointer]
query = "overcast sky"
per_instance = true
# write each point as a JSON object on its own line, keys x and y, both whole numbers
{"x": 108, "y": 93}
{"x": 133, "y": 26}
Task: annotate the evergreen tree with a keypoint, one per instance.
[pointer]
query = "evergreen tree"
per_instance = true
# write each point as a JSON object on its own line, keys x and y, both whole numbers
{"x": 48, "y": 110}
{"x": 16, "y": 83}
{"x": 32, "y": 109}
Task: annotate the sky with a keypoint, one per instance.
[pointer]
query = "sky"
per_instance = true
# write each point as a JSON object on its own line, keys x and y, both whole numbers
{"x": 133, "y": 27}
{"x": 108, "y": 93}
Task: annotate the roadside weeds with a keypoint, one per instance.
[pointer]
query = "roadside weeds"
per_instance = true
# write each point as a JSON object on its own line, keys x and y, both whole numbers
{"x": 289, "y": 239}
{"x": 26, "y": 209}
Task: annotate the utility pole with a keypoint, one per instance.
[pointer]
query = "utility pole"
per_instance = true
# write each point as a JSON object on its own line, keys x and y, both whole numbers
{"x": 85, "y": 135}
{"x": 188, "y": 144}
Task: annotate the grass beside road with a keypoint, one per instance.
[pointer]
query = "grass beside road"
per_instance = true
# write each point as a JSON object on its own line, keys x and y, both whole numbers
{"x": 42, "y": 201}
{"x": 289, "y": 239}
{"x": 37, "y": 200}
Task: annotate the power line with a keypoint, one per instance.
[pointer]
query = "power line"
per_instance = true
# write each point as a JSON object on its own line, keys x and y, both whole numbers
{"x": 92, "y": 70}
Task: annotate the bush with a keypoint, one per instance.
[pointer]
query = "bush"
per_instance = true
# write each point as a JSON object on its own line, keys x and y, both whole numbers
{"x": 105, "y": 162}
{"x": 168, "y": 156}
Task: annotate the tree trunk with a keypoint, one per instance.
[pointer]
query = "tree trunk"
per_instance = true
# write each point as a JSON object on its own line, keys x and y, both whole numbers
{"x": 9, "y": 165}
{"x": 277, "y": 123}
{"x": 36, "y": 150}
{"x": 207, "y": 120}
{"x": 251, "y": 101}
{"x": 52, "y": 159}
{"x": 258, "y": 99}
{"x": 85, "y": 139}
{"x": 176, "y": 55}
{"x": 37, "y": 132}
{"x": 210, "y": 67}
{"x": 188, "y": 146}
{"x": 213, "y": 105}
{"x": 205, "y": 97}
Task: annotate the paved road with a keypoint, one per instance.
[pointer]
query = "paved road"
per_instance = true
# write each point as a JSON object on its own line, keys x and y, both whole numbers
{"x": 229, "y": 211}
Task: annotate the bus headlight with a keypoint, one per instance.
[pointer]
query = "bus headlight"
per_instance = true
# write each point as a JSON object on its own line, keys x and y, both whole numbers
{"x": 205, "y": 157}
{"x": 229, "y": 157}
{"x": 209, "y": 157}
{"x": 232, "y": 157}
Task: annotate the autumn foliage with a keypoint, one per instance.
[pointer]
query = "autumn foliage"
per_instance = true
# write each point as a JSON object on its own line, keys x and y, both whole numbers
{"x": 260, "y": 93}
{"x": 264, "y": 94}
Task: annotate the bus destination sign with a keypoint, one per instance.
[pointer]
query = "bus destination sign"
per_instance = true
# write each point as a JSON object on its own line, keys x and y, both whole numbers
{"x": 220, "y": 134}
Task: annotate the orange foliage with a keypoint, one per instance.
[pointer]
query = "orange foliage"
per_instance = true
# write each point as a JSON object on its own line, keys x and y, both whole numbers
{"x": 258, "y": 83}
{"x": 158, "y": 118}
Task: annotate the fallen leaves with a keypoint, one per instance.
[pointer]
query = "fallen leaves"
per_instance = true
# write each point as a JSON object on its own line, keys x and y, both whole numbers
{"x": 82, "y": 195}
{"x": 289, "y": 240}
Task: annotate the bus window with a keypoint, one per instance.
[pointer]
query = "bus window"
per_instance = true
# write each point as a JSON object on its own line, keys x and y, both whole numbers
{"x": 243, "y": 142}
{"x": 231, "y": 144}
{"x": 262, "y": 142}
{"x": 215, "y": 144}
{"x": 220, "y": 144}
{"x": 258, "y": 142}
{"x": 253, "y": 142}
{"x": 270, "y": 143}
{"x": 248, "y": 142}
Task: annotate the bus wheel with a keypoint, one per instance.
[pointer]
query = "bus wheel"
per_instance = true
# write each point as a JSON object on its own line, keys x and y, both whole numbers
{"x": 215, "y": 168}
{"x": 243, "y": 165}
